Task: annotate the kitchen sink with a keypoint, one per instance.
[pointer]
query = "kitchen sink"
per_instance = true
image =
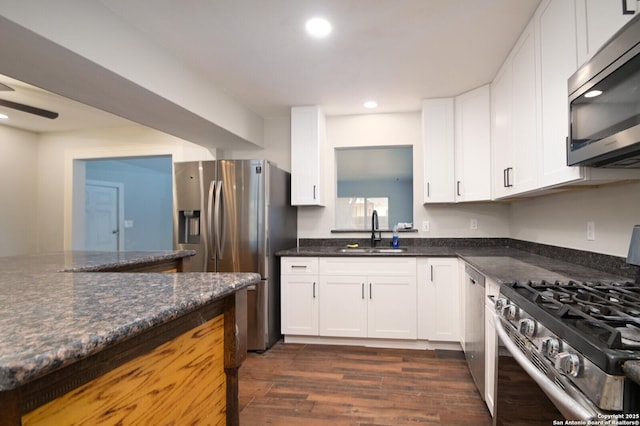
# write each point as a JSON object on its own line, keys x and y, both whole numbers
{"x": 373, "y": 250}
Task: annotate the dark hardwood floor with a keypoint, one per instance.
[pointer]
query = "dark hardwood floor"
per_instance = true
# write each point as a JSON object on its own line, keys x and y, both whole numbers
{"x": 294, "y": 384}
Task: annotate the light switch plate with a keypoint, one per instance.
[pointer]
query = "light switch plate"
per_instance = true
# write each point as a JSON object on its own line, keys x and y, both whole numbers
{"x": 425, "y": 226}
{"x": 591, "y": 231}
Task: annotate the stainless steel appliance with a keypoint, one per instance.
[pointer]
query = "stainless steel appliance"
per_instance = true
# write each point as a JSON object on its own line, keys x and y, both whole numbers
{"x": 236, "y": 214}
{"x": 604, "y": 104}
{"x": 474, "y": 350}
{"x": 561, "y": 349}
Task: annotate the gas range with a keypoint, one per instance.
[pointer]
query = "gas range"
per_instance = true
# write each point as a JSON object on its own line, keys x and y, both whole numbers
{"x": 578, "y": 334}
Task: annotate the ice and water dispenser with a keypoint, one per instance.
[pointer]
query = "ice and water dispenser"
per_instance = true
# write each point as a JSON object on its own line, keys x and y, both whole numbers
{"x": 189, "y": 227}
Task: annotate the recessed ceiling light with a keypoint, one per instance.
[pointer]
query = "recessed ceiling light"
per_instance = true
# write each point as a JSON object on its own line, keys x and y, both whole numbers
{"x": 593, "y": 93}
{"x": 3, "y": 117}
{"x": 318, "y": 27}
{"x": 370, "y": 104}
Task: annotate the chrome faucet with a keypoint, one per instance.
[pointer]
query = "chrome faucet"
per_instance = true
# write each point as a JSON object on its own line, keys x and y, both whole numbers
{"x": 375, "y": 227}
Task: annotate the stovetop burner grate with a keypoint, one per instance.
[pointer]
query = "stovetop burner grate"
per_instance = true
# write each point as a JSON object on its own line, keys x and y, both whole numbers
{"x": 601, "y": 311}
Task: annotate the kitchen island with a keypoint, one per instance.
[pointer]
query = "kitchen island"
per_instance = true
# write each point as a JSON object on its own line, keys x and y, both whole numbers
{"x": 106, "y": 348}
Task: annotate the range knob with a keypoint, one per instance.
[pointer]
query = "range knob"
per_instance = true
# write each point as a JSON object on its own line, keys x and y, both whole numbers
{"x": 501, "y": 302}
{"x": 510, "y": 312}
{"x": 569, "y": 364}
{"x": 527, "y": 327}
{"x": 550, "y": 347}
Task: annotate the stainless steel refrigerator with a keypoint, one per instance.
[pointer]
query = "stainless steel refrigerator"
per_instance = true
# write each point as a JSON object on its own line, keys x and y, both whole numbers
{"x": 236, "y": 214}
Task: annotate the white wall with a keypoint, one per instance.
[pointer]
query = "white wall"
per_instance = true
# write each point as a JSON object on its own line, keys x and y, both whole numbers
{"x": 396, "y": 129}
{"x": 277, "y": 145}
{"x": 18, "y": 182}
{"x": 561, "y": 219}
{"x": 57, "y": 152}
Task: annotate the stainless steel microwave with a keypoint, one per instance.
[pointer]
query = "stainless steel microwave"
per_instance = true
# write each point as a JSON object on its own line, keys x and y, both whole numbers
{"x": 604, "y": 104}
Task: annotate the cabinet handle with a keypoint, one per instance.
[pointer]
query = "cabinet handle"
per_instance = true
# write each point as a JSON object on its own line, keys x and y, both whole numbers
{"x": 362, "y": 291}
{"x": 314, "y": 289}
{"x": 428, "y": 190}
{"x": 628, "y": 10}
{"x": 458, "y": 188}
{"x": 504, "y": 178}
{"x": 314, "y": 192}
{"x": 508, "y": 172}
{"x": 370, "y": 292}
{"x": 298, "y": 266}
{"x": 431, "y": 273}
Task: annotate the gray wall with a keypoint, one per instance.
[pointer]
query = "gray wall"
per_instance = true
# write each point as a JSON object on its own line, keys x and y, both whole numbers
{"x": 148, "y": 198}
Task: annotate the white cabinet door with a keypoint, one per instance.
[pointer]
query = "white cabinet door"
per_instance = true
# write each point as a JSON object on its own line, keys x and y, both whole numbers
{"x": 514, "y": 119}
{"x": 524, "y": 103}
{"x": 343, "y": 307}
{"x": 438, "y": 143}
{"x": 308, "y": 135}
{"x": 299, "y": 307}
{"x": 597, "y": 21}
{"x": 392, "y": 307}
{"x": 299, "y": 295}
{"x": 501, "y": 138}
{"x": 438, "y": 298}
{"x": 556, "y": 27}
{"x": 473, "y": 145}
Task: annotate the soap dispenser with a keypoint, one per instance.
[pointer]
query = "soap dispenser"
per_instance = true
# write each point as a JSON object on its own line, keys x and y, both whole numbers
{"x": 394, "y": 242}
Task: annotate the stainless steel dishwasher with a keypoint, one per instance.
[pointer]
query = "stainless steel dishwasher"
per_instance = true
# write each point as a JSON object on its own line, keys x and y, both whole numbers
{"x": 474, "y": 325}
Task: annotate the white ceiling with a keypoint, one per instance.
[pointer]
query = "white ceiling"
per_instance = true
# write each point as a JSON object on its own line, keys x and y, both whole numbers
{"x": 394, "y": 51}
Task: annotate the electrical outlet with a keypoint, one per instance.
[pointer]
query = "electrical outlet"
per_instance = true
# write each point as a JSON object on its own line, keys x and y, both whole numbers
{"x": 591, "y": 231}
{"x": 473, "y": 224}
{"x": 425, "y": 226}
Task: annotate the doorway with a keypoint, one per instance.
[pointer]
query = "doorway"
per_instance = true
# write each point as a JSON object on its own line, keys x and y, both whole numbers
{"x": 126, "y": 204}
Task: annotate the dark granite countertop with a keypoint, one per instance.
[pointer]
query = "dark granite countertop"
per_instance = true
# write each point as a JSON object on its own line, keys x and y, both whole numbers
{"x": 50, "y": 319}
{"x": 502, "y": 264}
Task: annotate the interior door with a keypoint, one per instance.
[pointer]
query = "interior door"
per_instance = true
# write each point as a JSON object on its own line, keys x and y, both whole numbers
{"x": 102, "y": 227}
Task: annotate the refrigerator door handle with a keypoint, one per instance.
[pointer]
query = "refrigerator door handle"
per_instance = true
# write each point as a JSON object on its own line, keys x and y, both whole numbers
{"x": 209, "y": 232}
{"x": 218, "y": 219}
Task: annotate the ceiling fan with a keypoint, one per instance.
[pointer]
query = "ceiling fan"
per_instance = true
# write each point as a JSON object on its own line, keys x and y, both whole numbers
{"x": 25, "y": 108}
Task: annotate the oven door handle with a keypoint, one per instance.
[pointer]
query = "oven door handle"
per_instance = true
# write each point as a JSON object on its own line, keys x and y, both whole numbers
{"x": 568, "y": 406}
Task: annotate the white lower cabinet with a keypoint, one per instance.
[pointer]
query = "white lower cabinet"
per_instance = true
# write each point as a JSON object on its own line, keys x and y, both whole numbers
{"x": 438, "y": 291}
{"x": 299, "y": 295}
{"x": 368, "y": 297}
{"x": 343, "y": 308}
{"x": 349, "y": 297}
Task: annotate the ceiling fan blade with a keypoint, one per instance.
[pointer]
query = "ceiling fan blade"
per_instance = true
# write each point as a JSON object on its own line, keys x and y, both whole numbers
{"x": 31, "y": 110}
{"x": 5, "y": 88}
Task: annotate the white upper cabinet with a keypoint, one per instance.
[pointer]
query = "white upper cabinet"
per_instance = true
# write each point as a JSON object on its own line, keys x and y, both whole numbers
{"x": 556, "y": 25}
{"x": 473, "y": 145}
{"x": 530, "y": 112}
{"x": 438, "y": 139}
{"x": 456, "y": 135}
{"x": 308, "y": 139}
{"x": 501, "y": 137}
{"x": 514, "y": 112}
{"x": 524, "y": 101}
{"x": 597, "y": 21}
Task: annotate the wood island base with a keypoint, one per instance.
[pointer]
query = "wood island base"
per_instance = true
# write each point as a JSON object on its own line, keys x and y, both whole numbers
{"x": 182, "y": 372}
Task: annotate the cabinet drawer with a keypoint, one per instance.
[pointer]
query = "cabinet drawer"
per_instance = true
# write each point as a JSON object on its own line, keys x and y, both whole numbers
{"x": 299, "y": 265}
{"x": 381, "y": 266}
